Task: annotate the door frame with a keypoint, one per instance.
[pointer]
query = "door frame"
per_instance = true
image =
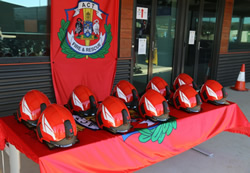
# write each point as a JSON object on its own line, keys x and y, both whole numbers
{"x": 198, "y": 41}
{"x": 181, "y": 36}
{"x": 151, "y": 39}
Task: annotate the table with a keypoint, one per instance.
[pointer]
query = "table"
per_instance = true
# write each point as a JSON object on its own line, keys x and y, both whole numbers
{"x": 101, "y": 151}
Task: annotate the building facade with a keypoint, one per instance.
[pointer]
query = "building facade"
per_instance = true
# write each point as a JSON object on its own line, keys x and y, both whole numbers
{"x": 207, "y": 39}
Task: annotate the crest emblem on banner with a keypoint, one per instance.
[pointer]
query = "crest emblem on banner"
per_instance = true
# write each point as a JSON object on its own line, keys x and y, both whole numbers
{"x": 85, "y": 33}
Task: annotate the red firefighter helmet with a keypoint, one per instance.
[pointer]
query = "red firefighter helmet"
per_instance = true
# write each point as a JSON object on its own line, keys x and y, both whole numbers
{"x": 127, "y": 93}
{"x": 184, "y": 79}
{"x": 113, "y": 115}
{"x": 82, "y": 102}
{"x": 160, "y": 85}
{"x": 56, "y": 126}
{"x": 213, "y": 92}
{"x": 30, "y": 107}
{"x": 153, "y": 106}
{"x": 187, "y": 99}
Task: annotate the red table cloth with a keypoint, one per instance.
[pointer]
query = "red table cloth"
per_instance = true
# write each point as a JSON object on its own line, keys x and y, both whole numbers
{"x": 101, "y": 151}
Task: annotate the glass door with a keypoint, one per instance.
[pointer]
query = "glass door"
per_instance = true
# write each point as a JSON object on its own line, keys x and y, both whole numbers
{"x": 142, "y": 43}
{"x": 164, "y": 35}
{"x": 154, "y": 40}
{"x": 200, "y": 36}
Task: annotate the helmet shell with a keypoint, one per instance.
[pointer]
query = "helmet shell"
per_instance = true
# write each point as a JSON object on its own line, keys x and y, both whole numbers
{"x": 213, "y": 92}
{"x": 154, "y": 106}
{"x": 57, "y": 126}
{"x": 160, "y": 85}
{"x": 184, "y": 79}
{"x": 113, "y": 115}
{"x": 30, "y": 106}
{"x": 187, "y": 99}
{"x": 125, "y": 91}
{"x": 82, "y": 101}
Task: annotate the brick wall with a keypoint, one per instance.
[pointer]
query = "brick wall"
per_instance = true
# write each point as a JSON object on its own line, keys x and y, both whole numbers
{"x": 226, "y": 26}
{"x": 126, "y": 28}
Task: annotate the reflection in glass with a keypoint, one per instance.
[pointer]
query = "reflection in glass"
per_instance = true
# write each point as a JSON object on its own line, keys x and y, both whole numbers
{"x": 192, "y": 25}
{"x": 234, "y": 29}
{"x": 24, "y": 28}
{"x": 164, "y": 39}
{"x": 239, "y": 39}
{"x": 199, "y": 54}
{"x": 164, "y": 35}
{"x": 245, "y": 35}
{"x": 207, "y": 41}
{"x": 142, "y": 36}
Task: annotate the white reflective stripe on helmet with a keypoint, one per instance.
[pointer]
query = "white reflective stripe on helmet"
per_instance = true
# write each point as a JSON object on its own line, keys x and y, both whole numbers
{"x": 47, "y": 128}
{"x": 77, "y": 102}
{"x": 25, "y": 109}
{"x": 211, "y": 92}
{"x": 107, "y": 115}
{"x": 184, "y": 98}
{"x": 150, "y": 107}
{"x": 181, "y": 82}
{"x": 154, "y": 87}
{"x": 121, "y": 94}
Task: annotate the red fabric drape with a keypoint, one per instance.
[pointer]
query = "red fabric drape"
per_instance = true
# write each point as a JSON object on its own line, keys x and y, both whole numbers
{"x": 101, "y": 151}
{"x": 84, "y": 37}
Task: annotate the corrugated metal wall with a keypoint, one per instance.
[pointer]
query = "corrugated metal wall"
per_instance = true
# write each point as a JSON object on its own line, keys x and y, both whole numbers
{"x": 229, "y": 66}
{"x": 123, "y": 70}
{"x": 18, "y": 75}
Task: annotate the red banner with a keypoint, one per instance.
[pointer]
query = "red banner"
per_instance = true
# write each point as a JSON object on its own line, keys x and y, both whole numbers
{"x": 84, "y": 39}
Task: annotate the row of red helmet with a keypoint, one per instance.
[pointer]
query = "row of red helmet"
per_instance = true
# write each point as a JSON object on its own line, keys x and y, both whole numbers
{"x": 54, "y": 124}
{"x": 151, "y": 105}
{"x": 185, "y": 94}
{"x": 113, "y": 114}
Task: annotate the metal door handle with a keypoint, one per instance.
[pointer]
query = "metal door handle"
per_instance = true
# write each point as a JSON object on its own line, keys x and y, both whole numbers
{"x": 199, "y": 45}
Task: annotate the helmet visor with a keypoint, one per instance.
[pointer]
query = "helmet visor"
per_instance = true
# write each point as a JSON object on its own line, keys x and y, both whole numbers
{"x": 64, "y": 142}
{"x": 163, "y": 117}
{"x": 89, "y": 112}
{"x": 121, "y": 129}
{"x": 194, "y": 109}
{"x": 32, "y": 122}
{"x": 222, "y": 101}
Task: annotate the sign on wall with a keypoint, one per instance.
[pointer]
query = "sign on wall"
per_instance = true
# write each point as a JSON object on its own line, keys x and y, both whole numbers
{"x": 142, "y": 46}
{"x": 142, "y": 13}
{"x": 191, "y": 39}
{"x": 84, "y": 37}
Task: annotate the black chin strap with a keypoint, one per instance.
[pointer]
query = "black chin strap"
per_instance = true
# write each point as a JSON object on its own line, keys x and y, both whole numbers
{"x": 125, "y": 116}
{"x": 68, "y": 129}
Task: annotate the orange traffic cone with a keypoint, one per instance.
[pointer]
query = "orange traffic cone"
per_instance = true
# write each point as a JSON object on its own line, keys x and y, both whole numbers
{"x": 240, "y": 83}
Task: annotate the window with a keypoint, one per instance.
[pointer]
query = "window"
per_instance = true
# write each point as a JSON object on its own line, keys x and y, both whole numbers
{"x": 24, "y": 28}
{"x": 239, "y": 39}
{"x": 245, "y": 34}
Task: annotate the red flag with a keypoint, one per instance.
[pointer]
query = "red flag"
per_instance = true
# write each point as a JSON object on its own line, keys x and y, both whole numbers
{"x": 84, "y": 39}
